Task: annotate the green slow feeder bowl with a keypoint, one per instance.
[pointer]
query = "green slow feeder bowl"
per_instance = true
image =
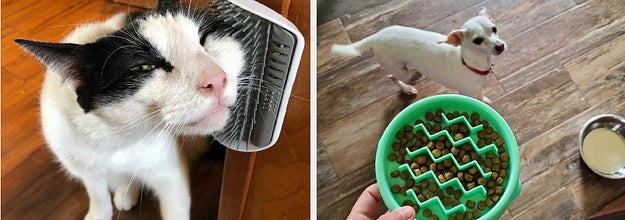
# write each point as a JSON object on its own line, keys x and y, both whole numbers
{"x": 448, "y": 103}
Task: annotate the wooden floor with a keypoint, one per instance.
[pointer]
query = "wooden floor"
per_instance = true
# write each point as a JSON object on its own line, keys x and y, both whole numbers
{"x": 33, "y": 186}
{"x": 565, "y": 63}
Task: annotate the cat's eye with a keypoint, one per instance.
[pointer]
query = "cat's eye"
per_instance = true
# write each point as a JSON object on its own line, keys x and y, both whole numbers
{"x": 143, "y": 68}
{"x": 478, "y": 40}
{"x": 494, "y": 30}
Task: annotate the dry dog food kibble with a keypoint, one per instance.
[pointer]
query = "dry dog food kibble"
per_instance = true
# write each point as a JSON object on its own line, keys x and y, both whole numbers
{"x": 494, "y": 162}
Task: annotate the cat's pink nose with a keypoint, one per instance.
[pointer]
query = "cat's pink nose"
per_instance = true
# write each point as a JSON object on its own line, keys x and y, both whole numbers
{"x": 214, "y": 83}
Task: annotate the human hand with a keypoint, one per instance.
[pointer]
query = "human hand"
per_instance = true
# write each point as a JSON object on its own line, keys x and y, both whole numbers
{"x": 367, "y": 204}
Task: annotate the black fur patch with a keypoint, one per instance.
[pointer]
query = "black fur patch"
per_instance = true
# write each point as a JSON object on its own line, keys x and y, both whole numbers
{"x": 102, "y": 70}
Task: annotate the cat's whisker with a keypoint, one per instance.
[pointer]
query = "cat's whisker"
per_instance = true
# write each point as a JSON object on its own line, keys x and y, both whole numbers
{"x": 136, "y": 122}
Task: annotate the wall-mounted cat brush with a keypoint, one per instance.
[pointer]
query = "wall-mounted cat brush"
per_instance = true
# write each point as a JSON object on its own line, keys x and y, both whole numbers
{"x": 275, "y": 46}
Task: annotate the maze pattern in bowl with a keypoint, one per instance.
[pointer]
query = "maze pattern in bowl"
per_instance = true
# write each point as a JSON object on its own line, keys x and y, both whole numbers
{"x": 447, "y": 103}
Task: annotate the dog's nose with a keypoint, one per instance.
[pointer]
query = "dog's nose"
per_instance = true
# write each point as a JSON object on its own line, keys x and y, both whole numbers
{"x": 500, "y": 47}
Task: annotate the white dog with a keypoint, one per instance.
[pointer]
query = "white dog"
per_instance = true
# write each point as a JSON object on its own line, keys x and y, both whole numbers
{"x": 460, "y": 61}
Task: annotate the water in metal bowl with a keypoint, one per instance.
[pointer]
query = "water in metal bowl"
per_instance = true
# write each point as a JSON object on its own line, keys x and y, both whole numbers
{"x": 602, "y": 145}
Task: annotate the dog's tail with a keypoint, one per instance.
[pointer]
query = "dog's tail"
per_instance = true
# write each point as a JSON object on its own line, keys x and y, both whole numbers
{"x": 351, "y": 50}
{"x": 345, "y": 50}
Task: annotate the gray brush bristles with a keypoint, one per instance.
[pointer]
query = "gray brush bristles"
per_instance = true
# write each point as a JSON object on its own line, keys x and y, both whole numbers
{"x": 269, "y": 48}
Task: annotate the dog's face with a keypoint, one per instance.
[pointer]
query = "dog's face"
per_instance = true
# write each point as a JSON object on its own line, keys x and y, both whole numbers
{"x": 478, "y": 34}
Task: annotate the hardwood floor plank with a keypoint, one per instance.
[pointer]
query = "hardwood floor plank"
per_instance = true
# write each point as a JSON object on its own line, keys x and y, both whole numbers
{"x": 547, "y": 183}
{"x": 538, "y": 54}
{"x": 26, "y": 14}
{"x": 336, "y": 200}
{"x": 325, "y": 170}
{"x": 75, "y": 207}
{"x": 51, "y": 184}
{"x": 557, "y": 206}
{"x": 20, "y": 113}
{"x": 592, "y": 192}
{"x": 357, "y": 135}
{"x": 615, "y": 207}
{"x": 10, "y": 83}
{"x": 561, "y": 142}
{"x": 512, "y": 17}
{"x": 9, "y": 52}
{"x": 506, "y": 215}
{"x": 348, "y": 89}
{"x": 23, "y": 65}
{"x": 328, "y": 34}
{"x": 299, "y": 14}
{"x": 601, "y": 74}
{"x": 533, "y": 109}
{"x": 330, "y": 10}
{"x": 11, "y": 6}
{"x": 14, "y": 158}
{"x": 410, "y": 13}
{"x": 281, "y": 174}
{"x": 17, "y": 182}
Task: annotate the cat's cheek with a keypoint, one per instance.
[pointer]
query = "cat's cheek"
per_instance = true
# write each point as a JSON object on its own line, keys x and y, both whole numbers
{"x": 210, "y": 123}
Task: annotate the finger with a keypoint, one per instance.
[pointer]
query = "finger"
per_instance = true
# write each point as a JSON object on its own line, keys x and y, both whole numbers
{"x": 366, "y": 207}
{"x": 402, "y": 213}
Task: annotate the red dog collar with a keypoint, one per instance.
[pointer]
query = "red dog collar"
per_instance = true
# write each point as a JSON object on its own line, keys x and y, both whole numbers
{"x": 478, "y": 72}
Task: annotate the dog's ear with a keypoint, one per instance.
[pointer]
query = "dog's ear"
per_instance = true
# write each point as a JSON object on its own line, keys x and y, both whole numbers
{"x": 484, "y": 12}
{"x": 454, "y": 38}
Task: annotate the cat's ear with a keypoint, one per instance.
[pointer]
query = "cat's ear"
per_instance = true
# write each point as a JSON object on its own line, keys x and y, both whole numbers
{"x": 164, "y": 5}
{"x": 56, "y": 56}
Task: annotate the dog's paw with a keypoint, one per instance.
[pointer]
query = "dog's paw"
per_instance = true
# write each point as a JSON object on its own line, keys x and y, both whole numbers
{"x": 486, "y": 100}
{"x": 410, "y": 90}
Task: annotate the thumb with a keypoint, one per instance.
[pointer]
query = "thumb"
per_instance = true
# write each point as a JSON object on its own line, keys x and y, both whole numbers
{"x": 402, "y": 213}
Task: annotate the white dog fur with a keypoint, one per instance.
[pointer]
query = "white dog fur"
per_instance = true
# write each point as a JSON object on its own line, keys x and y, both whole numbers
{"x": 402, "y": 50}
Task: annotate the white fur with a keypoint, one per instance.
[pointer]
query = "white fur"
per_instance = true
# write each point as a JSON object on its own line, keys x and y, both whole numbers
{"x": 402, "y": 50}
{"x": 123, "y": 145}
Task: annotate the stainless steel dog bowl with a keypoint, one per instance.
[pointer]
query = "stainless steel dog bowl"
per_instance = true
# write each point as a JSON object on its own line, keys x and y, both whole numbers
{"x": 598, "y": 154}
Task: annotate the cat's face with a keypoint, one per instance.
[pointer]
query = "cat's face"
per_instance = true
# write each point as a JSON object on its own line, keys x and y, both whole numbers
{"x": 177, "y": 67}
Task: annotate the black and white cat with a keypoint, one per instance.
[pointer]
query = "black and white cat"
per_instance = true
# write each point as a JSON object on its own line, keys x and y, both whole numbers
{"x": 118, "y": 95}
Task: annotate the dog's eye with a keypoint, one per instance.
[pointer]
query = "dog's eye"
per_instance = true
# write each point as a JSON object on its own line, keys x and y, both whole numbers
{"x": 494, "y": 30}
{"x": 478, "y": 40}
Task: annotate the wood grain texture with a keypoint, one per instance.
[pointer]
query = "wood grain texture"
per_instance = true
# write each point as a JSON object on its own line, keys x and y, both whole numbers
{"x": 538, "y": 106}
{"x": 616, "y": 207}
{"x": 329, "y": 10}
{"x": 328, "y": 34}
{"x": 601, "y": 74}
{"x": 592, "y": 192}
{"x": 350, "y": 187}
{"x": 547, "y": 183}
{"x": 280, "y": 185}
{"x": 538, "y": 54}
{"x": 560, "y": 142}
{"x": 506, "y": 216}
{"x": 325, "y": 170}
{"x": 557, "y": 206}
{"x": 411, "y": 13}
{"x": 238, "y": 169}
{"x": 357, "y": 135}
